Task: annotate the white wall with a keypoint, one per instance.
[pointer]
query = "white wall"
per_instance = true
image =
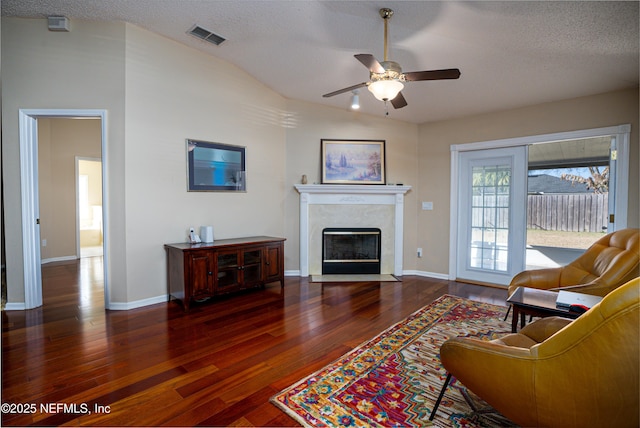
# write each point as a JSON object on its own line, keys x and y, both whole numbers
{"x": 157, "y": 93}
{"x": 174, "y": 93}
{"x": 82, "y": 69}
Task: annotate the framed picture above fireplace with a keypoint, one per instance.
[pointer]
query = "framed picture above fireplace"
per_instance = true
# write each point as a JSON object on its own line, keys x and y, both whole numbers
{"x": 353, "y": 162}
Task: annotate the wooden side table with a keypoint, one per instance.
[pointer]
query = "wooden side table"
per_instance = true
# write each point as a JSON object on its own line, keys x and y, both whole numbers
{"x": 537, "y": 303}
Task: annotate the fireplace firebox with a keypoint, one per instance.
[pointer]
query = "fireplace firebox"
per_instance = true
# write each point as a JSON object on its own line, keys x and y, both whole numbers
{"x": 351, "y": 250}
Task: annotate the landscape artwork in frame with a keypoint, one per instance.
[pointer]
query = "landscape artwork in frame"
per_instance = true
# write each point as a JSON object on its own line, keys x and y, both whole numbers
{"x": 215, "y": 167}
{"x": 353, "y": 162}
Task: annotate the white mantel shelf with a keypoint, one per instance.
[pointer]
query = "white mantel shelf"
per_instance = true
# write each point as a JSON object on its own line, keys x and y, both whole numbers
{"x": 356, "y": 189}
{"x": 346, "y": 194}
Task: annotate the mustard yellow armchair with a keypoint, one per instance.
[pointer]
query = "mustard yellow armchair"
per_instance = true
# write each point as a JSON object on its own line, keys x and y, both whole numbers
{"x": 610, "y": 262}
{"x": 559, "y": 372}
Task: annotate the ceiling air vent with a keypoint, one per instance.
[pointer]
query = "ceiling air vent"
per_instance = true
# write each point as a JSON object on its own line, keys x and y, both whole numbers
{"x": 58, "y": 23}
{"x": 206, "y": 35}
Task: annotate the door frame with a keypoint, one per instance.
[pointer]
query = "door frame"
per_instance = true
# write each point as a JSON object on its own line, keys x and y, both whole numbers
{"x": 28, "y": 125}
{"x": 621, "y": 192}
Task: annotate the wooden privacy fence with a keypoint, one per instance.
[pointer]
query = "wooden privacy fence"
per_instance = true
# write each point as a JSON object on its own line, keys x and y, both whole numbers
{"x": 585, "y": 212}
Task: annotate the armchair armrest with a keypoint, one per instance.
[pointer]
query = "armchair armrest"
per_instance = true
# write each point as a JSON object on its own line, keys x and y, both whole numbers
{"x": 544, "y": 328}
{"x": 595, "y": 288}
{"x": 537, "y": 278}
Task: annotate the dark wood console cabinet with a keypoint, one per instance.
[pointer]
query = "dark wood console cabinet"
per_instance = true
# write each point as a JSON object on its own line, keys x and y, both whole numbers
{"x": 200, "y": 271}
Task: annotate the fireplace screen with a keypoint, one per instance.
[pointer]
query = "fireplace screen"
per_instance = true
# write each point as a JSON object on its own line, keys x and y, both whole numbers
{"x": 350, "y": 250}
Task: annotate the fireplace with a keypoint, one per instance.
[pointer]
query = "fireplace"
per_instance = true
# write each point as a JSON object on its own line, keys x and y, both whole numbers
{"x": 345, "y": 205}
{"x": 351, "y": 250}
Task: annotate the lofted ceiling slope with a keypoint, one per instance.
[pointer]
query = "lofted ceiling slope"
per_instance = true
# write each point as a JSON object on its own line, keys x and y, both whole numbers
{"x": 511, "y": 54}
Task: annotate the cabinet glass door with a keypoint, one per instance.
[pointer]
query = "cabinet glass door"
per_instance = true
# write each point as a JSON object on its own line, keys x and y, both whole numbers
{"x": 252, "y": 267}
{"x": 227, "y": 270}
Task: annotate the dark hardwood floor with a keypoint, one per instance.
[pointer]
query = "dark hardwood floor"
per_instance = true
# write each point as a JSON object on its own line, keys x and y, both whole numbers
{"x": 215, "y": 366}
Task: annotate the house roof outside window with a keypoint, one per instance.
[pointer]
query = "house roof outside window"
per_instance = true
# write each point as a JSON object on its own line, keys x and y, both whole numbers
{"x": 548, "y": 184}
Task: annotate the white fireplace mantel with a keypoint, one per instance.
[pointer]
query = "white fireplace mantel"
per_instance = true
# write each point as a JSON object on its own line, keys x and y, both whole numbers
{"x": 339, "y": 194}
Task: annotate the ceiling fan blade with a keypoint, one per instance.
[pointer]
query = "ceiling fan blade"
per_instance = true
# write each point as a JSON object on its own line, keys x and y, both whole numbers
{"x": 342, "y": 91}
{"x": 399, "y": 101}
{"x": 450, "y": 73}
{"x": 370, "y": 62}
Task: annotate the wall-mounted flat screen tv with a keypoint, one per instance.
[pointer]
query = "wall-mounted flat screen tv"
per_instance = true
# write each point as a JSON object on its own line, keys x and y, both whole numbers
{"x": 215, "y": 167}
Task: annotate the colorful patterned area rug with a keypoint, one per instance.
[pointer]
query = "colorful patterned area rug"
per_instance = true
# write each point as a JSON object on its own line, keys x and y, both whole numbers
{"x": 394, "y": 379}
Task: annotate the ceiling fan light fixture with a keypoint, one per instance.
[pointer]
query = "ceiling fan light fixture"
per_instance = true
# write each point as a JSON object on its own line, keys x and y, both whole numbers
{"x": 386, "y": 78}
{"x": 355, "y": 100}
{"x": 385, "y": 90}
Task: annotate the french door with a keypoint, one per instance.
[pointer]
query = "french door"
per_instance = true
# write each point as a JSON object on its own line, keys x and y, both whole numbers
{"x": 492, "y": 208}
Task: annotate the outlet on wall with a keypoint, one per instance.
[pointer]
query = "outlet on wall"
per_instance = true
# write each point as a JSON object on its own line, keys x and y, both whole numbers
{"x": 419, "y": 252}
{"x": 44, "y": 242}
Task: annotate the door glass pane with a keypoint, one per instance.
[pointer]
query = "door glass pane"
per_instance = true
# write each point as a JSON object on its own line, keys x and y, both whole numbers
{"x": 252, "y": 274}
{"x": 227, "y": 270}
{"x": 227, "y": 260}
{"x": 252, "y": 257}
{"x": 489, "y": 246}
{"x": 227, "y": 277}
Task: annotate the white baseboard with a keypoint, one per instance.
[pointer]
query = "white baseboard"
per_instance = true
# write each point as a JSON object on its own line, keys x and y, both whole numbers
{"x": 20, "y": 306}
{"x": 125, "y": 306}
{"x": 404, "y": 272}
{"x": 114, "y": 306}
{"x": 58, "y": 259}
{"x": 426, "y": 274}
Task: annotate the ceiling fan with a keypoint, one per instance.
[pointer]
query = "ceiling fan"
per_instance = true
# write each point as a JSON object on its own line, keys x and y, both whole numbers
{"x": 386, "y": 78}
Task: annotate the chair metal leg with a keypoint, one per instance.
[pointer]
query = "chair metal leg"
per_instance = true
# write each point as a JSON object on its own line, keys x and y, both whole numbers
{"x": 507, "y": 314}
{"x": 444, "y": 387}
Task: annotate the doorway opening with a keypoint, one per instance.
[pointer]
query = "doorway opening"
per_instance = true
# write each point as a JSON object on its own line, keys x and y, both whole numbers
{"x": 32, "y": 189}
{"x": 615, "y": 140}
{"x": 567, "y": 199}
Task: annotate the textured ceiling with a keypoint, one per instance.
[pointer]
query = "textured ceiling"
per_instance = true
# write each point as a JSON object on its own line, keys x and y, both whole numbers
{"x": 511, "y": 54}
